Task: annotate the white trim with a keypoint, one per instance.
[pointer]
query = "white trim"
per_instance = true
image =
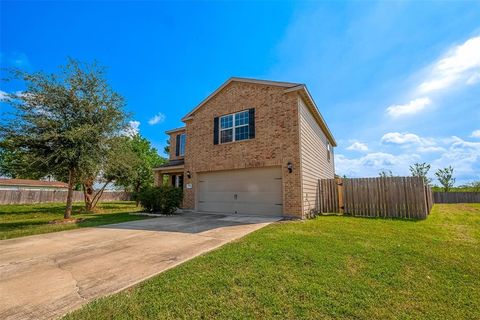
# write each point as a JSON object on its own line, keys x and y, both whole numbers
{"x": 299, "y": 87}
{"x": 233, "y": 127}
{"x": 299, "y": 150}
{"x": 175, "y": 130}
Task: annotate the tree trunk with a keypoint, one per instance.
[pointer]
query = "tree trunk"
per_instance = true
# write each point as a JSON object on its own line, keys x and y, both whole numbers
{"x": 88, "y": 194}
{"x": 71, "y": 182}
{"x": 98, "y": 195}
{"x": 137, "y": 190}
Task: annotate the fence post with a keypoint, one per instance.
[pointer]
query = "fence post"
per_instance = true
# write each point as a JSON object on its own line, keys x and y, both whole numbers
{"x": 341, "y": 207}
{"x": 320, "y": 197}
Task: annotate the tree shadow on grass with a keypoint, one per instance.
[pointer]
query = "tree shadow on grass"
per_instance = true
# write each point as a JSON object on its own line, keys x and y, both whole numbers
{"x": 92, "y": 220}
{"x": 59, "y": 209}
{"x": 32, "y": 209}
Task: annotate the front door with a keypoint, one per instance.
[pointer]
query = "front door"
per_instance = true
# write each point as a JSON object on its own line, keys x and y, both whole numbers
{"x": 177, "y": 180}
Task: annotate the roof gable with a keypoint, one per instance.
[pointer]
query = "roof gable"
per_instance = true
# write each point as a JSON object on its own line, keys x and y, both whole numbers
{"x": 244, "y": 80}
{"x": 289, "y": 87}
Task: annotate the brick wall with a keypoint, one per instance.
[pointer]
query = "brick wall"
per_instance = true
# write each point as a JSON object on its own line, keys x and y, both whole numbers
{"x": 173, "y": 144}
{"x": 276, "y": 140}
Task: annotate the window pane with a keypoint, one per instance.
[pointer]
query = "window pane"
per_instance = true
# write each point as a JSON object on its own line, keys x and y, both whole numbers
{"x": 241, "y": 133}
{"x": 241, "y": 118}
{"x": 226, "y": 122}
{"x": 226, "y": 135}
{"x": 182, "y": 144}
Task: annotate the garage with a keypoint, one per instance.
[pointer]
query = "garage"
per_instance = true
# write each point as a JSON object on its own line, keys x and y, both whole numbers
{"x": 245, "y": 191}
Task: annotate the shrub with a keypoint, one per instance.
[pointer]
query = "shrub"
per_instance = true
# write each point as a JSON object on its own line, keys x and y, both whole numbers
{"x": 162, "y": 199}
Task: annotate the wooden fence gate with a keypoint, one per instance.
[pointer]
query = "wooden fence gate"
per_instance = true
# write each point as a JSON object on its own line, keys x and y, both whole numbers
{"x": 392, "y": 197}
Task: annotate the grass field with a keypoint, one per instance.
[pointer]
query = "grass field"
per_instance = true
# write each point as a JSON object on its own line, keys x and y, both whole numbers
{"x": 24, "y": 220}
{"x": 457, "y": 189}
{"x": 326, "y": 268}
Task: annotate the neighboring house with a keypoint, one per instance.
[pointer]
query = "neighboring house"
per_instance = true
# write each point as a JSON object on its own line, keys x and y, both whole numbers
{"x": 25, "y": 184}
{"x": 252, "y": 147}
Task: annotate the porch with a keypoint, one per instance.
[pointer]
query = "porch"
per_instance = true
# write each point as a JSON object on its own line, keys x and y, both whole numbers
{"x": 170, "y": 173}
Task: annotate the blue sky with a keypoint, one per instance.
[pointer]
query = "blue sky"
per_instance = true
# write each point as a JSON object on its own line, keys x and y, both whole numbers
{"x": 398, "y": 82}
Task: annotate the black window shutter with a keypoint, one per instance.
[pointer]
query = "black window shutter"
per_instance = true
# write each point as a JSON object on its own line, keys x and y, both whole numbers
{"x": 251, "y": 121}
{"x": 215, "y": 130}
{"x": 177, "y": 146}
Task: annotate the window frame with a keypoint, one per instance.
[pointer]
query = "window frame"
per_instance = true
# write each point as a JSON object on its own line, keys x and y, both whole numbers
{"x": 234, "y": 126}
{"x": 181, "y": 151}
{"x": 329, "y": 151}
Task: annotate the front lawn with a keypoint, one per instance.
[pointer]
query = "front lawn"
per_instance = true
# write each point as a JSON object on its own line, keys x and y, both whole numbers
{"x": 24, "y": 220}
{"x": 330, "y": 267}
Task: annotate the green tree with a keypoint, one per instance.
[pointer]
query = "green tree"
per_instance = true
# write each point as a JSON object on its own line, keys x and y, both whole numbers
{"x": 166, "y": 149}
{"x": 62, "y": 122}
{"x": 13, "y": 165}
{"x": 421, "y": 170}
{"x": 385, "y": 173}
{"x": 148, "y": 158}
{"x": 445, "y": 177}
{"x": 117, "y": 166}
{"x": 475, "y": 186}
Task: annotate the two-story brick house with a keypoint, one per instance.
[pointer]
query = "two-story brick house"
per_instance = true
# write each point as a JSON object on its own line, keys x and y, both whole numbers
{"x": 252, "y": 147}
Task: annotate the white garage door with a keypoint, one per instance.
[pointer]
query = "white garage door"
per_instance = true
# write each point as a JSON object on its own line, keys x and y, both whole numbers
{"x": 248, "y": 191}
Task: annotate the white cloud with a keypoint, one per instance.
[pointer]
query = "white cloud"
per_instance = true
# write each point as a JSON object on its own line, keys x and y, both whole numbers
{"x": 133, "y": 128}
{"x": 15, "y": 95}
{"x": 460, "y": 65}
{"x": 408, "y": 140}
{"x": 158, "y": 118}
{"x": 475, "y": 134}
{"x": 405, "y": 138}
{"x": 464, "y": 157}
{"x": 370, "y": 164}
{"x": 430, "y": 149}
{"x": 473, "y": 79}
{"x": 3, "y": 95}
{"x": 410, "y": 108}
{"x": 358, "y": 146}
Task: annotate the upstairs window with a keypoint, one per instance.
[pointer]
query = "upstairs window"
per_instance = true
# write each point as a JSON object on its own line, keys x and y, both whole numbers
{"x": 180, "y": 145}
{"x": 181, "y": 148}
{"x": 235, "y": 127}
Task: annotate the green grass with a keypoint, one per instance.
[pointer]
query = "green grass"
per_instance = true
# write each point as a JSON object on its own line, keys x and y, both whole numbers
{"x": 24, "y": 220}
{"x": 327, "y": 268}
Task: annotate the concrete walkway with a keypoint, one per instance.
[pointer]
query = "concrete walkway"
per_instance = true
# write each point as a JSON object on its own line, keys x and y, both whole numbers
{"x": 45, "y": 276}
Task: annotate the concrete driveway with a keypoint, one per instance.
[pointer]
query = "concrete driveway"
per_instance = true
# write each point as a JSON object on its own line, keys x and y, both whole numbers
{"x": 45, "y": 276}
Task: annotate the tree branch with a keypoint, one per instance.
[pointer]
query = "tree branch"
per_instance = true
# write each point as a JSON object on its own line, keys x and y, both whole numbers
{"x": 99, "y": 194}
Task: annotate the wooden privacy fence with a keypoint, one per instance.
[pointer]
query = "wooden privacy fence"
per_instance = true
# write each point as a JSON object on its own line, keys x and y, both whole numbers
{"x": 392, "y": 197}
{"x": 456, "y": 197}
{"x": 44, "y": 196}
